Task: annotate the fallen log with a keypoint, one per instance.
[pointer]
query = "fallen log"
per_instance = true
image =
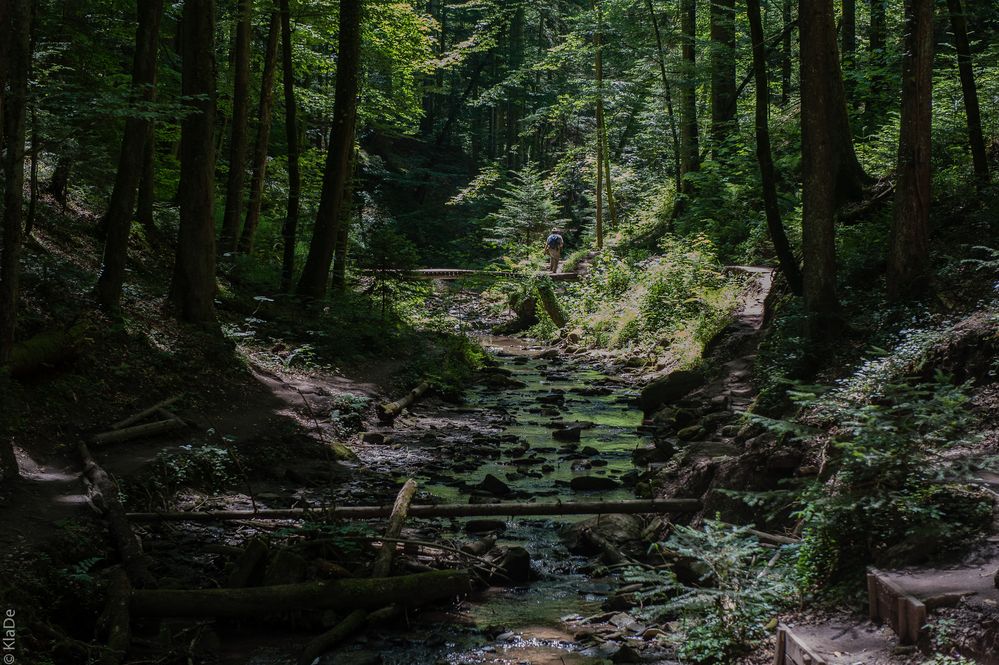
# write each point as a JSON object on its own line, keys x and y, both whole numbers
{"x": 431, "y": 511}
{"x": 103, "y": 496}
{"x": 317, "y": 647}
{"x": 117, "y": 619}
{"x": 390, "y": 411}
{"x": 145, "y": 413}
{"x": 344, "y": 595}
{"x": 551, "y": 306}
{"x": 137, "y": 431}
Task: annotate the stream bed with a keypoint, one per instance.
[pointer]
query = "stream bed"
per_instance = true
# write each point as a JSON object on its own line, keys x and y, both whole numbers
{"x": 499, "y": 446}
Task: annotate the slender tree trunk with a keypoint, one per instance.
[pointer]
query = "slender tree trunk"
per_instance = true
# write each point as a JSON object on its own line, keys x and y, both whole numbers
{"x": 908, "y": 248}
{"x": 29, "y": 224}
{"x": 515, "y": 101}
{"x": 723, "y": 87}
{"x": 959, "y": 26}
{"x": 193, "y": 287}
{"x": 238, "y": 137}
{"x": 599, "y": 70}
{"x": 661, "y": 58}
{"x": 874, "y": 105}
{"x": 785, "y": 56}
{"x": 339, "y": 280}
{"x": 118, "y": 220}
{"x": 315, "y": 274}
{"x": 785, "y": 256}
{"x": 823, "y": 117}
{"x": 689, "y": 150}
{"x": 147, "y": 185}
{"x": 289, "y": 231}
{"x": 264, "y": 113}
{"x": 611, "y": 203}
{"x": 59, "y": 182}
{"x": 16, "y": 36}
{"x": 848, "y": 29}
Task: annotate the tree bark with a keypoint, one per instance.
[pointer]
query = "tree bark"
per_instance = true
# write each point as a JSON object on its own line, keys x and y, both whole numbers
{"x": 690, "y": 152}
{"x": 515, "y": 96}
{"x": 599, "y": 71}
{"x": 908, "y": 248}
{"x": 959, "y": 26}
{"x": 667, "y": 92}
{"x": 785, "y": 256}
{"x": 18, "y": 61}
{"x": 315, "y": 274}
{"x": 193, "y": 286}
{"x": 238, "y": 135}
{"x": 785, "y": 55}
{"x": 874, "y": 104}
{"x": 848, "y": 30}
{"x": 264, "y": 113}
{"x": 823, "y": 151}
{"x": 118, "y": 220}
{"x": 346, "y": 594}
{"x": 289, "y": 230}
{"x": 147, "y": 185}
{"x": 723, "y": 89}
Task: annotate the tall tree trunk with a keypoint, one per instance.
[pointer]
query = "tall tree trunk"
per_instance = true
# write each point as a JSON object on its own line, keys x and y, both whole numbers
{"x": 785, "y": 55}
{"x": 599, "y": 72}
{"x": 959, "y": 27}
{"x": 689, "y": 150}
{"x": 785, "y": 256}
{"x": 193, "y": 288}
{"x": 820, "y": 58}
{"x": 339, "y": 281}
{"x": 265, "y": 110}
{"x": 823, "y": 120}
{"x": 667, "y": 92}
{"x": 238, "y": 136}
{"x": 908, "y": 247}
{"x": 874, "y": 104}
{"x": 59, "y": 182}
{"x": 723, "y": 87}
{"x": 611, "y": 204}
{"x": 515, "y": 99}
{"x": 118, "y": 220}
{"x": 848, "y": 28}
{"x": 315, "y": 274}
{"x": 289, "y": 230}
{"x": 16, "y": 36}
{"x": 147, "y": 185}
{"x": 29, "y": 223}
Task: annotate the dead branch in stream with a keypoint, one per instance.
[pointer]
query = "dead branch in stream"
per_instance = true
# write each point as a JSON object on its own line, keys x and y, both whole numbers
{"x": 658, "y": 506}
{"x": 390, "y": 411}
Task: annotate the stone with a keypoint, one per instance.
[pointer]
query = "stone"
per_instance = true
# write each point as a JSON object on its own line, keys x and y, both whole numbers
{"x": 651, "y": 454}
{"x": 515, "y": 564}
{"x": 483, "y": 525}
{"x": 690, "y": 433}
{"x": 285, "y": 567}
{"x": 615, "y": 528}
{"x": 373, "y": 438}
{"x": 589, "y": 451}
{"x": 670, "y": 388}
{"x": 592, "y": 483}
{"x": 552, "y": 398}
{"x": 494, "y": 485}
{"x": 626, "y": 654}
{"x": 571, "y": 433}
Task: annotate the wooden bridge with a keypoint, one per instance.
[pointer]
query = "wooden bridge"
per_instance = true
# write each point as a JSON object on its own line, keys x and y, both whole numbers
{"x": 454, "y": 274}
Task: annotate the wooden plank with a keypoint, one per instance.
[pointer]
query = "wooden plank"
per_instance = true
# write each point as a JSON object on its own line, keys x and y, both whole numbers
{"x": 889, "y": 602}
{"x": 796, "y": 651}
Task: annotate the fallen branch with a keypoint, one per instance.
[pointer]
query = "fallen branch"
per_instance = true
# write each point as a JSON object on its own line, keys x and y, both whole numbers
{"x": 390, "y": 411}
{"x": 142, "y": 415}
{"x": 343, "y": 595}
{"x": 103, "y": 496}
{"x": 136, "y": 431}
{"x": 317, "y": 647}
{"x": 430, "y": 511}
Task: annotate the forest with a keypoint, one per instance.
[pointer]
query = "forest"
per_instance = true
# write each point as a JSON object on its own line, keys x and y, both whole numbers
{"x": 565, "y": 332}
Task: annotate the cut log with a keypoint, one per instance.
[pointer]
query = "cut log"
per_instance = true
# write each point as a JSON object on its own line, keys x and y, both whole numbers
{"x": 383, "y": 562}
{"x": 658, "y": 506}
{"x": 136, "y": 431}
{"x": 103, "y": 495}
{"x": 142, "y": 415}
{"x": 338, "y": 633}
{"x": 343, "y": 595}
{"x": 117, "y": 618}
{"x": 390, "y": 411}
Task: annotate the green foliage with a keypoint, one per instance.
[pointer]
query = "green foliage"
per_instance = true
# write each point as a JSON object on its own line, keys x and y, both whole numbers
{"x": 725, "y": 612}
{"x": 890, "y": 497}
{"x": 205, "y": 466}
{"x": 526, "y": 214}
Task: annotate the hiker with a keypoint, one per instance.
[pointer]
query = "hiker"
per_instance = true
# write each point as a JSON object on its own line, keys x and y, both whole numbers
{"x": 553, "y": 248}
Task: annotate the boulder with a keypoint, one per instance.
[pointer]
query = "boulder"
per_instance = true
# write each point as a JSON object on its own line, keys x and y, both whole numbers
{"x": 571, "y": 433}
{"x": 514, "y": 563}
{"x": 483, "y": 525}
{"x": 592, "y": 483}
{"x": 670, "y": 388}
{"x": 615, "y": 528}
{"x": 494, "y": 485}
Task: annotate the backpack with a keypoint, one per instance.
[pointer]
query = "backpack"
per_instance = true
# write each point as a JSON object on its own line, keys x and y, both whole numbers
{"x": 554, "y": 241}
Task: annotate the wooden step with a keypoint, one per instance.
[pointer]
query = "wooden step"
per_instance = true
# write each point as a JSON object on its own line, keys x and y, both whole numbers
{"x": 832, "y": 644}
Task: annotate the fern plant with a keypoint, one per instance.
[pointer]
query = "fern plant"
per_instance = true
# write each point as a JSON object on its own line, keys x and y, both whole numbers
{"x": 740, "y": 588}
